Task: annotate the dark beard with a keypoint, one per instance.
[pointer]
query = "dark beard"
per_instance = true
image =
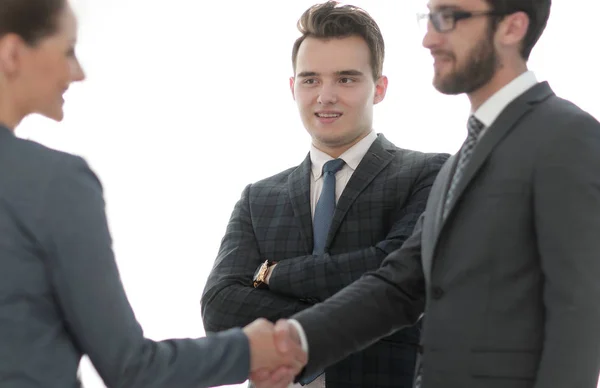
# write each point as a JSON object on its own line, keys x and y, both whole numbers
{"x": 479, "y": 69}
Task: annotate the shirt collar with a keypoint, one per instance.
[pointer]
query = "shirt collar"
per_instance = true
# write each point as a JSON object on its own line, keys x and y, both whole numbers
{"x": 352, "y": 156}
{"x": 489, "y": 111}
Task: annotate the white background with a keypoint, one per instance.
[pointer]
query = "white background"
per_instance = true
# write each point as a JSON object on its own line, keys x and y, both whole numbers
{"x": 187, "y": 101}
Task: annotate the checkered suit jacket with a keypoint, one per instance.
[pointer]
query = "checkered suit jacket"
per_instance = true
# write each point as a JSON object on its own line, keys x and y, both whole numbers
{"x": 374, "y": 215}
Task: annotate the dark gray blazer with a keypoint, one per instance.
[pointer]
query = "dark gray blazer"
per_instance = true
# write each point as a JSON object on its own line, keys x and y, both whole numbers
{"x": 375, "y": 214}
{"x": 60, "y": 291}
{"x": 510, "y": 281}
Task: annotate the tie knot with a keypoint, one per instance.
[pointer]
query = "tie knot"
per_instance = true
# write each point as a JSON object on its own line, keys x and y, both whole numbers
{"x": 333, "y": 166}
{"x": 474, "y": 126}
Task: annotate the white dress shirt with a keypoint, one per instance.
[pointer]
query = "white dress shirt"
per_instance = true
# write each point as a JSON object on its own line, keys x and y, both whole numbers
{"x": 318, "y": 158}
{"x": 487, "y": 113}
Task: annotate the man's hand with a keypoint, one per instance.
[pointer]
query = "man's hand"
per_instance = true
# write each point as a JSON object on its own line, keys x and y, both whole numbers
{"x": 275, "y": 356}
{"x": 287, "y": 341}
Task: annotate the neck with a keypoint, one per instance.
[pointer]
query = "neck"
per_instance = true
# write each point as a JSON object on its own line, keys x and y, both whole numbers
{"x": 504, "y": 76}
{"x": 335, "y": 151}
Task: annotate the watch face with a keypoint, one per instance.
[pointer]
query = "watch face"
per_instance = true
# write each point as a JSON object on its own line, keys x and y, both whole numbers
{"x": 259, "y": 276}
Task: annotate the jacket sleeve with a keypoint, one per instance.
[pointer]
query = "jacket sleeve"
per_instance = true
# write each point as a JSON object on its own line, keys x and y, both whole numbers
{"x": 229, "y": 299}
{"x": 95, "y": 310}
{"x": 350, "y": 321}
{"x": 567, "y": 223}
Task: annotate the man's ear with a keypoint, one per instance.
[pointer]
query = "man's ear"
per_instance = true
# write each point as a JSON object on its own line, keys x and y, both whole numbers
{"x": 513, "y": 29}
{"x": 292, "y": 81}
{"x": 380, "y": 89}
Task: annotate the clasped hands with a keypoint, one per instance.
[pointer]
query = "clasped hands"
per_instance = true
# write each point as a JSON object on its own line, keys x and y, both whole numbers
{"x": 276, "y": 355}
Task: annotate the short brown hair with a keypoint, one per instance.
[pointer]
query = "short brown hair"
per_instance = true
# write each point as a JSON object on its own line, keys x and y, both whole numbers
{"x": 32, "y": 20}
{"x": 538, "y": 12}
{"x": 331, "y": 20}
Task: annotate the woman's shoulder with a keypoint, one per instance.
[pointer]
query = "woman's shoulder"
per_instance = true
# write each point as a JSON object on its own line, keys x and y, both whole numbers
{"x": 28, "y": 167}
{"x": 34, "y": 152}
{"x": 27, "y": 158}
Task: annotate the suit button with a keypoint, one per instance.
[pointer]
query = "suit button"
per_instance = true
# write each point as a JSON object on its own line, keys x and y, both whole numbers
{"x": 437, "y": 293}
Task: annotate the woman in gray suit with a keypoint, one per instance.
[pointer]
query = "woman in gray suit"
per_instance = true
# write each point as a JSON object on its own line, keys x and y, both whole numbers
{"x": 60, "y": 291}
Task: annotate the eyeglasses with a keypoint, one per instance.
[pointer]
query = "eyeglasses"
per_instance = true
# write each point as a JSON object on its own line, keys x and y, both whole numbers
{"x": 445, "y": 20}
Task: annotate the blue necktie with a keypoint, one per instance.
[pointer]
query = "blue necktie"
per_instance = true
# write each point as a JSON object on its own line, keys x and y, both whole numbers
{"x": 322, "y": 219}
{"x": 325, "y": 206}
{"x": 474, "y": 128}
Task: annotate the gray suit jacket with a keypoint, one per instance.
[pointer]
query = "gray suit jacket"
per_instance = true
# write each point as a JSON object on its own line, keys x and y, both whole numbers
{"x": 510, "y": 281}
{"x": 60, "y": 291}
{"x": 375, "y": 214}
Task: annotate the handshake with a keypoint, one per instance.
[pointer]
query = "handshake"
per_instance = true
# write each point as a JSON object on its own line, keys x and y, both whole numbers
{"x": 276, "y": 354}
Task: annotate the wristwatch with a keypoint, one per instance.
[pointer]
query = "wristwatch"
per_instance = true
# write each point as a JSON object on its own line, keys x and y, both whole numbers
{"x": 260, "y": 276}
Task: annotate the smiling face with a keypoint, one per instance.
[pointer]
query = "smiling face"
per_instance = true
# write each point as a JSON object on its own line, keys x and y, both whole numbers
{"x": 36, "y": 76}
{"x": 335, "y": 91}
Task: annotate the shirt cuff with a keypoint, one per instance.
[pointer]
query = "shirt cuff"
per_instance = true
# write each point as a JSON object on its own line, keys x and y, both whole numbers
{"x": 301, "y": 334}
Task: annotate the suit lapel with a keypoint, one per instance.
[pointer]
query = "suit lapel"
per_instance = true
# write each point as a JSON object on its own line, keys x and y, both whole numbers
{"x": 377, "y": 157}
{"x": 299, "y": 191}
{"x": 433, "y": 213}
{"x": 506, "y": 121}
{"x": 445, "y": 175}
